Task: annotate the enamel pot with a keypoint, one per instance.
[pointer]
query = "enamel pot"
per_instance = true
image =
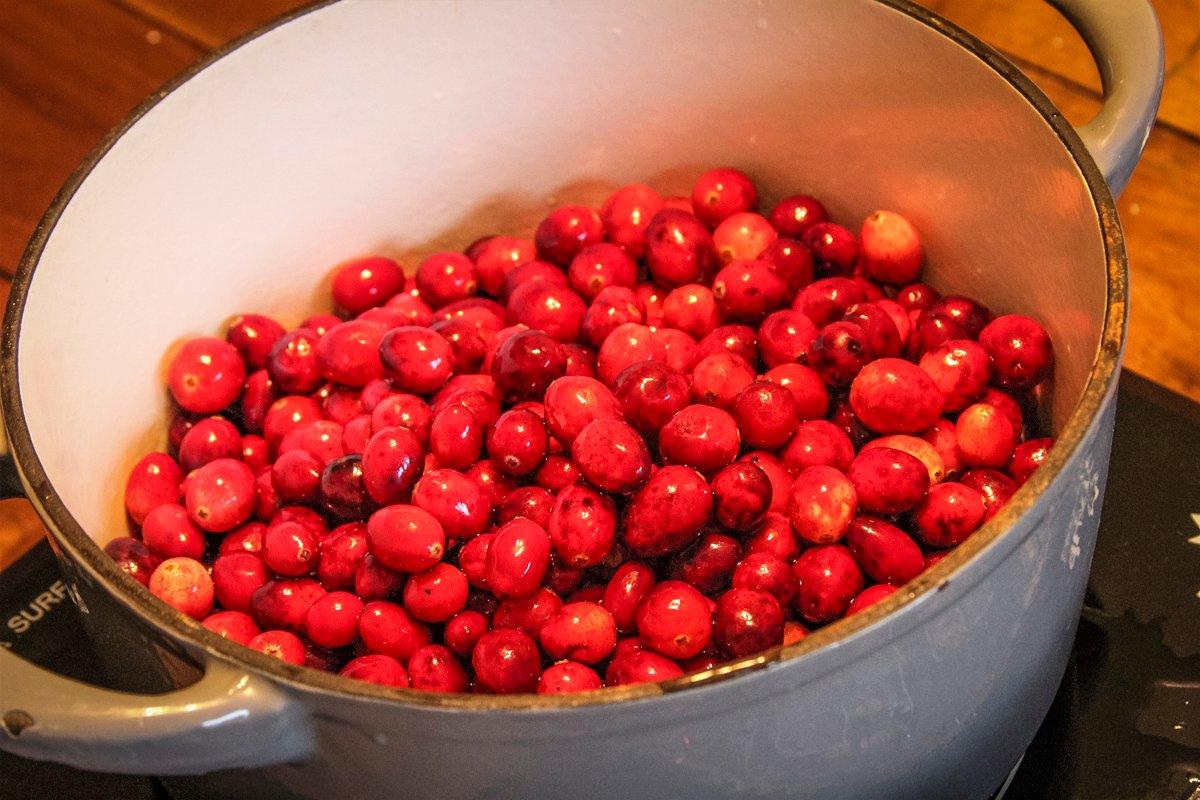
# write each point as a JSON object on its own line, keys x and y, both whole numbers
{"x": 404, "y": 127}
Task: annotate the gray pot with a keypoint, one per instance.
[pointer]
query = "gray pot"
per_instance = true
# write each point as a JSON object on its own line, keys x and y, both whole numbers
{"x": 349, "y": 128}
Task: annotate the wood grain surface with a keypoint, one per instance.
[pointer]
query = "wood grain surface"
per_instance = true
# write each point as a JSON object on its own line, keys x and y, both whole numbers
{"x": 72, "y": 69}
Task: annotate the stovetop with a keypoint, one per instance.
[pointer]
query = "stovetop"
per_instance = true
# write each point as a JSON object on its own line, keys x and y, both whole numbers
{"x": 1124, "y": 726}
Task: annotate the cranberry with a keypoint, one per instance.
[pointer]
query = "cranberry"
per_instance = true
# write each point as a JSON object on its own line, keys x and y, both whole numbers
{"x": 517, "y": 559}
{"x": 282, "y": 645}
{"x": 526, "y": 364}
{"x": 506, "y": 661}
{"x": 388, "y": 629}
{"x": 793, "y": 632}
{"x": 834, "y": 249}
{"x": 742, "y": 236}
{"x": 572, "y": 402}
{"x": 650, "y": 393}
{"x": 133, "y": 558}
{"x": 827, "y": 579}
{"x": 463, "y": 630}
{"x": 221, "y": 495}
{"x": 949, "y": 514}
{"x": 365, "y": 283}
{"x": 652, "y": 300}
{"x": 710, "y": 563}
{"x": 930, "y": 330}
{"x": 806, "y": 386}
{"x": 373, "y": 581}
{"x": 169, "y": 533}
{"x": 821, "y": 504}
{"x": 292, "y": 364}
{"x": 778, "y": 476}
{"x": 766, "y": 414}
{"x": 568, "y": 676}
{"x": 720, "y": 193}
{"x": 404, "y": 411}
{"x": 883, "y": 337}
{"x": 531, "y": 272}
{"x": 886, "y": 553}
{"x": 598, "y": 266}
{"x": 748, "y": 290}
{"x": 446, "y": 277}
{"x": 582, "y": 526}
{"x": 405, "y": 538}
{"x": 785, "y": 336}
{"x": 794, "y": 215}
{"x": 675, "y": 620}
{"x": 253, "y": 335}
{"x": 529, "y": 614}
{"x": 679, "y": 249}
{"x": 943, "y": 437}
{"x": 895, "y": 396}
{"x": 518, "y": 442}
{"x": 206, "y": 375}
{"x": 692, "y": 308}
{"x": 286, "y": 415}
{"x": 718, "y": 379}
{"x": 888, "y": 481}
{"x": 916, "y": 296}
{"x": 1020, "y": 350}
{"x": 321, "y": 439}
{"x": 1027, "y": 457}
{"x": 611, "y": 455}
{"x": 284, "y": 602}
{"x": 582, "y": 632}
{"x": 985, "y": 436}
{"x": 791, "y": 262}
{"x": 629, "y": 344}
{"x": 244, "y": 539}
{"x": 342, "y": 404}
{"x": 581, "y": 360}
{"x": 741, "y": 495}
{"x": 612, "y": 308}
{"x": 556, "y": 473}
{"x": 455, "y": 437}
{"x": 496, "y": 257}
{"x": 703, "y": 437}
{"x": 919, "y": 449}
{"x": 891, "y": 248}
{"x": 349, "y": 353}
{"x": 627, "y": 212}
{"x": 839, "y": 352}
{"x": 767, "y": 573}
{"x": 818, "y": 442}
{"x": 418, "y": 360}
{"x": 668, "y": 512}
{"x": 296, "y": 476}
{"x": 409, "y": 308}
{"x": 232, "y": 625}
{"x": 532, "y": 502}
{"x": 436, "y": 594}
{"x": 183, "y": 584}
{"x": 826, "y": 300}
{"x": 566, "y": 231}
{"x": 376, "y": 668}
{"x": 340, "y": 555}
{"x": 625, "y": 591}
{"x": 392, "y": 461}
{"x": 289, "y": 548}
{"x": 332, "y": 621}
{"x": 960, "y": 368}
{"x": 870, "y": 596}
{"x": 746, "y": 622}
{"x": 472, "y": 559}
{"x": 1007, "y": 404}
{"x": 461, "y": 506}
{"x": 257, "y": 398}
{"x": 638, "y": 665}
{"x": 434, "y": 668}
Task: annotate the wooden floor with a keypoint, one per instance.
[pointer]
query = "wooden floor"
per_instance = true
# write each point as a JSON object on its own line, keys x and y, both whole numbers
{"x": 71, "y": 69}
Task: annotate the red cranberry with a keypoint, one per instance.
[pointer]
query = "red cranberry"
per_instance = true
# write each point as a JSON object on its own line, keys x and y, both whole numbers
{"x": 463, "y": 630}
{"x": 626, "y": 213}
{"x": 256, "y": 400}
{"x": 434, "y": 668}
{"x": 703, "y": 437}
{"x": 679, "y": 249}
{"x": 418, "y": 360}
{"x": 292, "y": 364}
{"x": 467, "y": 345}
{"x": 969, "y": 315}
{"x": 870, "y": 596}
{"x": 1020, "y": 350}
{"x": 960, "y": 368}
{"x": 517, "y": 559}
{"x": 170, "y": 533}
{"x": 461, "y": 506}
{"x": 748, "y": 290}
{"x": 766, "y": 414}
{"x": 806, "y": 386}
{"x": 943, "y": 437}
{"x": 284, "y": 602}
{"x": 305, "y": 516}
{"x": 472, "y": 559}
{"x": 668, "y": 512}
{"x": 827, "y": 579}
{"x": 410, "y": 308}
{"x": 532, "y": 502}
{"x": 919, "y": 449}
{"x": 949, "y": 514}
{"x": 709, "y": 565}
{"x": 895, "y": 396}
{"x": 774, "y": 537}
{"x": 340, "y": 555}
{"x": 741, "y": 495}
{"x": 883, "y": 337}
{"x": 791, "y": 262}
{"x": 436, "y": 594}
{"x": 183, "y": 584}
{"x": 778, "y": 476}
{"x": 349, "y": 353}
{"x": 133, "y": 558}
{"x": 206, "y": 375}
{"x": 678, "y": 349}
{"x": 568, "y": 676}
{"x": 296, "y": 476}
{"x": 1027, "y": 457}
{"x": 985, "y": 436}
{"x": 376, "y": 668}
{"x": 341, "y": 404}
{"x": 526, "y": 364}
{"x": 232, "y": 625}
{"x": 531, "y": 272}
{"x": 245, "y": 539}
{"x": 528, "y": 614}
{"x": 286, "y": 415}
{"x": 319, "y": 324}
{"x": 365, "y": 283}
{"x": 565, "y": 231}
{"x": 221, "y": 495}
{"x": 582, "y": 632}
{"x": 719, "y": 193}
{"x": 582, "y": 526}
{"x": 497, "y": 257}
{"x": 650, "y": 393}
{"x": 404, "y": 411}
{"x": 916, "y": 296}
{"x": 834, "y": 249}
{"x": 581, "y": 361}
{"x": 392, "y": 461}
{"x": 785, "y": 336}
{"x": 629, "y": 344}
{"x": 818, "y": 442}
{"x": 821, "y": 504}
{"x": 765, "y": 572}
{"x": 638, "y": 665}
{"x": 373, "y": 581}
{"x": 718, "y": 379}
{"x": 692, "y": 309}
{"x": 290, "y": 548}
{"x": 506, "y": 661}
{"x": 332, "y": 621}
{"x": 930, "y": 330}
{"x": 746, "y": 622}
{"x": 652, "y": 300}
{"x": 282, "y": 645}
{"x": 611, "y": 455}
{"x": 518, "y": 442}
{"x": 888, "y": 481}
{"x": 1008, "y": 405}
{"x": 556, "y": 473}
{"x": 839, "y": 352}
{"x": 598, "y": 266}
{"x": 675, "y": 620}
{"x": 742, "y": 236}
{"x": 253, "y": 335}
{"x": 612, "y": 308}
{"x": 446, "y": 277}
{"x": 405, "y": 538}
{"x": 886, "y": 553}
{"x": 794, "y": 215}
{"x": 572, "y": 402}
{"x": 321, "y": 439}
{"x": 388, "y": 629}
{"x": 625, "y": 591}
{"x": 826, "y": 300}
{"x": 456, "y": 437}
{"x": 891, "y": 248}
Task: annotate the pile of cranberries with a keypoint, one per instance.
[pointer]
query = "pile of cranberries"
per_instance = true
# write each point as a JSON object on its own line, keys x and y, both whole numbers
{"x": 660, "y": 435}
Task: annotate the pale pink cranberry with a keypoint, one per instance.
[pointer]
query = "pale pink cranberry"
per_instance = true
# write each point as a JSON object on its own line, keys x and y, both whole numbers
{"x": 667, "y": 513}
{"x": 886, "y": 553}
{"x": 806, "y": 386}
{"x": 292, "y": 363}
{"x": 775, "y": 537}
{"x": 742, "y": 236}
{"x": 766, "y": 414}
{"x": 376, "y": 668}
{"x": 1027, "y": 457}
{"x": 206, "y": 375}
{"x": 566, "y": 231}
{"x": 675, "y": 620}
{"x": 133, "y": 558}
{"x": 827, "y": 579}
{"x": 839, "y": 352}
{"x": 599, "y": 266}
{"x": 506, "y": 661}
{"x": 826, "y": 300}
{"x": 573, "y": 402}
{"x": 747, "y": 291}
{"x": 835, "y": 249}
{"x": 183, "y": 584}
{"x": 821, "y": 504}
{"x": 891, "y": 248}
{"x": 366, "y": 283}
{"x": 517, "y": 559}
{"x": 703, "y": 437}
{"x": 888, "y": 481}
{"x": 916, "y": 447}
{"x": 692, "y": 309}
{"x": 892, "y": 395}
{"x": 253, "y": 335}
{"x": 949, "y": 514}
{"x": 746, "y": 622}
{"x": 581, "y": 631}
{"x": 818, "y": 442}
{"x": 406, "y": 538}
{"x": 582, "y": 526}
{"x": 568, "y": 677}
{"x": 612, "y": 456}
{"x": 985, "y": 436}
{"x": 883, "y": 337}
{"x": 720, "y": 193}
{"x": 1021, "y": 352}
{"x": 232, "y": 625}
{"x": 612, "y": 308}
{"x": 710, "y": 563}
{"x": 679, "y": 248}
{"x": 784, "y": 337}
{"x": 960, "y": 368}
{"x": 870, "y": 596}
{"x": 767, "y": 573}
{"x": 153, "y": 481}
{"x": 741, "y": 495}
{"x": 718, "y": 379}
{"x": 794, "y": 215}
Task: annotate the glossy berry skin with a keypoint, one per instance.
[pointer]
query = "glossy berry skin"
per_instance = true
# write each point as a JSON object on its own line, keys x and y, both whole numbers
{"x": 679, "y": 249}
{"x": 343, "y": 495}
{"x": 748, "y": 290}
{"x": 288, "y": 414}
{"x": 506, "y": 661}
{"x": 377, "y": 668}
{"x": 742, "y": 236}
{"x": 612, "y": 456}
{"x": 417, "y": 360}
{"x": 702, "y": 437}
{"x": 555, "y": 310}
{"x": 583, "y": 526}
{"x": 349, "y": 353}
{"x": 626, "y": 213}
{"x": 1020, "y": 349}
{"x": 221, "y": 495}
{"x": 285, "y": 646}
{"x": 916, "y": 447}
{"x": 373, "y": 581}
{"x": 599, "y": 266}
{"x": 1027, "y": 457}
{"x": 791, "y": 261}
{"x": 532, "y": 502}
{"x": 526, "y": 364}
{"x": 985, "y": 436}
{"x": 649, "y": 394}
{"x": 574, "y": 401}
{"x": 949, "y": 514}
{"x": 388, "y": 629}
{"x": 741, "y": 495}
{"x": 284, "y": 602}
{"x": 232, "y": 625}
{"x": 456, "y": 437}
{"x": 675, "y": 620}
{"x": 529, "y": 613}
{"x": 739, "y": 339}
{"x": 568, "y": 677}
{"x": 835, "y": 249}
{"x": 292, "y": 363}
{"x": 332, "y": 621}
{"x": 206, "y": 375}
{"x": 826, "y": 300}
{"x": 405, "y": 538}
{"x": 434, "y": 668}
{"x": 961, "y": 370}
{"x": 821, "y": 504}
{"x": 517, "y": 559}
{"x": 626, "y": 589}
{"x": 888, "y": 481}
{"x": 290, "y": 548}
{"x": 931, "y": 329}
{"x": 133, "y": 558}
{"x": 341, "y": 553}
{"x": 870, "y": 596}
{"x": 463, "y": 630}
{"x": 612, "y": 308}
{"x": 765, "y": 572}
{"x": 885, "y": 553}
{"x": 253, "y": 335}
{"x": 436, "y": 594}
{"x": 366, "y": 283}
{"x": 496, "y": 257}
{"x": 747, "y": 621}
{"x": 582, "y": 632}
{"x": 566, "y": 231}
{"x": 794, "y": 215}
{"x": 667, "y": 513}
{"x": 184, "y": 584}
{"x": 891, "y": 248}
{"x": 775, "y": 537}
{"x": 322, "y": 439}
{"x": 968, "y": 314}
{"x": 461, "y": 506}
{"x": 392, "y": 462}
{"x": 806, "y": 386}
{"x": 777, "y": 475}
{"x": 518, "y": 442}
{"x": 827, "y": 579}
{"x": 720, "y": 193}
{"x": 996, "y": 488}
{"x": 839, "y": 352}
{"x": 883, "y": 337}
{"x": 446, "y": 277}
{"x": 257, "y": 398}
{"x": 709, "y": 565}
{"x": 296, "y": 476}
{"x": 892, "y": 395}
{"x": 236, "y": 577}
{"x": 718, "y": 379}
{"x": 638, "y": 665}
{"x": 785, "y": 336}
{"x": 766, "y": 415}
{"x": 169, "y": 533}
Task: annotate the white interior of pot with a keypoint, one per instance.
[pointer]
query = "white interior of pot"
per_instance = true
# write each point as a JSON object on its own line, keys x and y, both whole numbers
{"x": 406, "y": 127}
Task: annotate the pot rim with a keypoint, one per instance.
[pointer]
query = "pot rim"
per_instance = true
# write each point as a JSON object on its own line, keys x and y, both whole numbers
{"x": 70, "y": 536}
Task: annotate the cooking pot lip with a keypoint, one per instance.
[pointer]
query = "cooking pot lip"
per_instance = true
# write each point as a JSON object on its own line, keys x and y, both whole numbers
{"x": 74, "y": 541}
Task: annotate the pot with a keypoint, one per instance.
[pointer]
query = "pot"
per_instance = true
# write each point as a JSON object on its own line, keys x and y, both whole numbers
{"x": 405, "y": 127}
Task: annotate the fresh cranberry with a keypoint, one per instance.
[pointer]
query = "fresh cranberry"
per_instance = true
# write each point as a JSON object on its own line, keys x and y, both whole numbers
{"x": 418, "y": 360}
{"x": 463, "y": 630}
{"x": 530, "y": 613}
{"x": 741, "y": 495}
{"x": 532, "y": 502}
{"x": 916, "y": 296}
{"x": 183, "y": 584}
{"x": 1006, "y": 404}
{"x": 652, "y": 300}
{"x": 342, "y": 404}
{"x": 699, "y": 436}
{"x": 321, "y": 439}
{"x": 943, "y": 437}
{"x": 221, "y": 495}
{"x": 839, "y": 352}
{"x": 349, "y": 353}
{"x": 1020, "y": 349}
{"x": 774, "y": 536}
{"x": 446, "y": 277}
{"x": 667, "y": 513}
{"x": 526, "y": 364}
{"x": 746, "y": 622}
{"x": 738, "y": 339}
{"x": 566, "y": 231}
{"x": 582, "y": 632}
{"x": 886, "y": 553}
{"x": 517, "y": 559}
{"x": 806, "y": 386}
{"x": 461, "y": 506}
{"x": 409, "y": 308}
{"x": 870, "y": 596}
{"x": 472, "y": 559}
{"x": 257, "y": 399}
{"x": 284, "y": 602}
{"x": 568, "y": 676}
{"x": 742, "y": 236}
{"x": 766, "y": 414}
{"x": 949, "y": 514}
{"x": 434, "y": 668}
{"x": 785, "y": 336}
{"x": 405, "y": 411}
{"x": 891, "y": 248}
{"x": 556, "y": 473}
{"x": 960, "y": 368}
{"x": 531, "y": 272}
{"x": 821, "y": 504}
{"x": 296, "y": 476}
{"x": 747, "y": 290}
{"x": 392, "y": 462}
{"x": 244, "y": 539}
{"x": 455, "y": 437}
{"x": 572, "y": 402}
{"x": 133, "y": 558}
{"x": 930, "y": 330}
{"x": 518, "y": 442}
{"x": 253, "y": 335}
{"x": 794, "y": 215}
{"x": 582, "y": 526}
{"x": 918, "y": 448}
{"x": 842, "y": 414}
{"x": 340, "y": 555}
{"x": 834, "y": 249}
{"x": 373, "y": 581}
{"x": 581, "y": 360}
{"x": 888, "y": 481}
{"x": 777, "y": 475}
{"x": 718, "y": 379}
{"x": 282, "y": 645}
{"x": 377, "y": 668}
{"x": 289, "y": 548}
{"x": 679, "y": 248}
{"x": 598, "y": 266}
{"x": 332, "y": 621}
{"x": 985, "y": 436}
{"x": 292, "y": 364}
{"x": 169, "y": 533}
{"x": 436, "y": 594}
{"x": 286, "y": 415}
{"x": 506, "y": 661}
{"x": 638, "y": 665}
{"x": 626, "y": 213}
{"x": 675, "y": 620}
{"x": 232, "y": 625}
{"x": 891, "y": 395}
{"x": 710, "y": 563}
{"x": 650, "y": 393}
{"x": 612, "y": 308}
{"x": 388, "y": 629}
{"x": 791, "y": 261}
{"x": 206, "y": 375}
{"x": 365, "y": 283}
{"x": 405, "y": 538}
{"x": 720, "y": 193}
{"x": 883, "y": 337}
{"x": 625, "y": 591}
{"x": 692, "y": 308}
{"x": 818, "y": 442}
{"x": 1027, "y": 457}
{"x": 767, "y": 573}
{"x": 319, "y": 324}
{"x": 611, "y": 455}
{"x": 826, "y": 300}
{"x": 827, "y": 579}
{"x": 497, "y": 257}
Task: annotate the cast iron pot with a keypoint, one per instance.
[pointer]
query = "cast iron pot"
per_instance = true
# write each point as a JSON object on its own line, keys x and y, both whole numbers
{"x": 403, "y": 127}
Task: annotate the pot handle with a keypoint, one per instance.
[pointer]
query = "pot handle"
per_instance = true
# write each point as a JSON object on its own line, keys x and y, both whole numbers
{"x": 1126, "y": 42}
{"x": 224, "y": 720}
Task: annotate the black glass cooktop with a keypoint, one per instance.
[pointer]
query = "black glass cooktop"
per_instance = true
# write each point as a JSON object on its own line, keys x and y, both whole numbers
{"x": 1124, "y": 726}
